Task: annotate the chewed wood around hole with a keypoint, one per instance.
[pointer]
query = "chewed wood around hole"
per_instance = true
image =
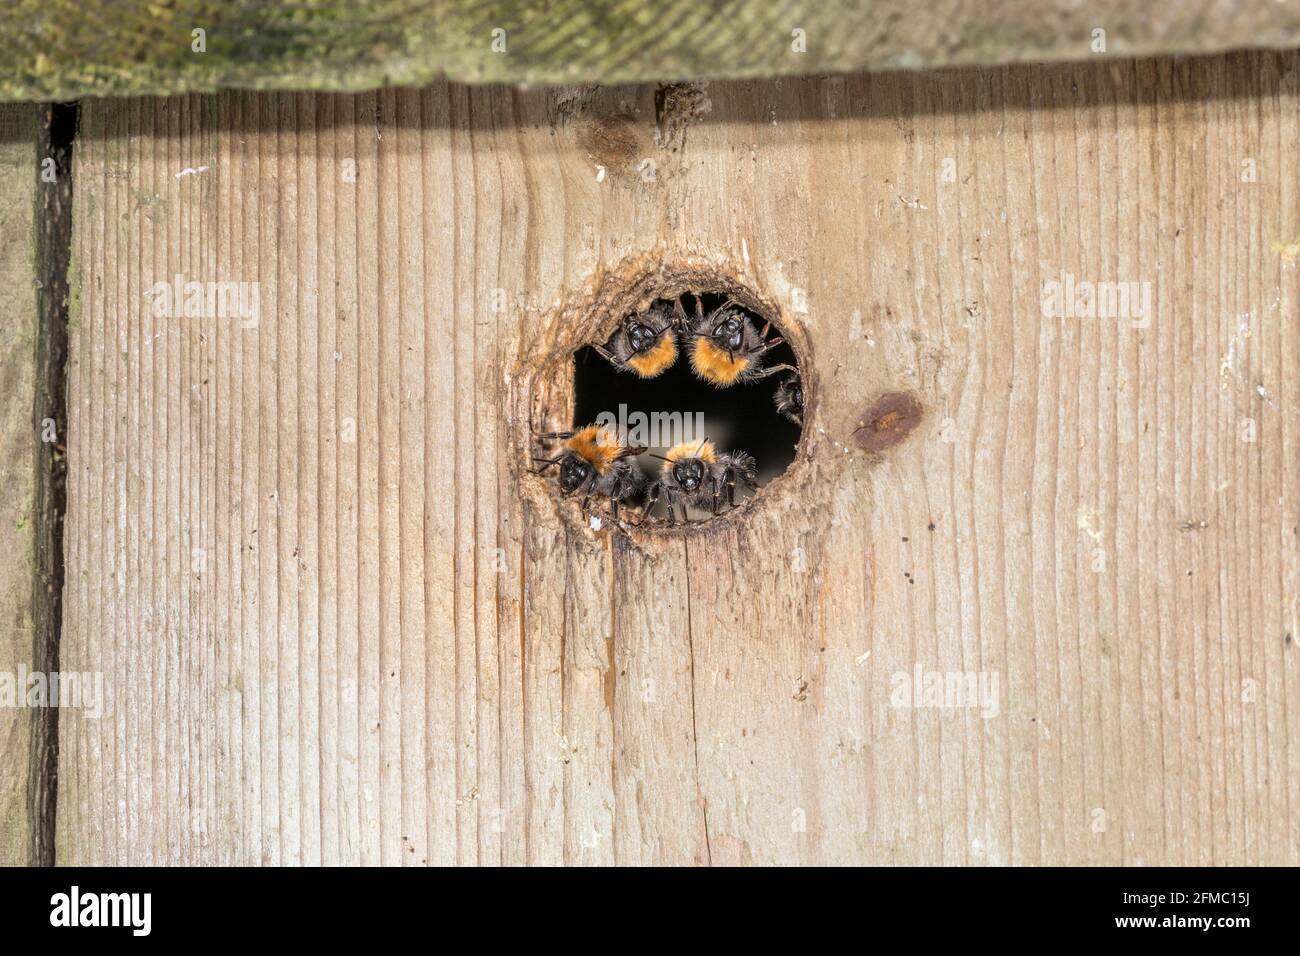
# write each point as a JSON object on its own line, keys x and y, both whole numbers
{"x": 684, "y": 406}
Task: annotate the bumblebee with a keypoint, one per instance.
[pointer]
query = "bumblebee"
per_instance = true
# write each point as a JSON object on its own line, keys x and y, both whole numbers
{"x": 696, "y": 474}
{"x": 646, "y": 344}
{"x": 725, "y": 348}
{"x": 789, "y": 399}
{"x": 595, "y": 462}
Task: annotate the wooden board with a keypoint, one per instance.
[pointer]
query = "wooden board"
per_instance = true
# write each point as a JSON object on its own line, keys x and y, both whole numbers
{"x": 338, "y": 625}
{"x": 18, "y": 179}
{"x": 58, "y": 50}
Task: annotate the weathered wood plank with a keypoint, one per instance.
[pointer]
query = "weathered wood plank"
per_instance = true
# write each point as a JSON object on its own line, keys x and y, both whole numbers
{"x": 341, "y": 626}
{"x": 70, "y": 49}
{"x": 19, "y": 129}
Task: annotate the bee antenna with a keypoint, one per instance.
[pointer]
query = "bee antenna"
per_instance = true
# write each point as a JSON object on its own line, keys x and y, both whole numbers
{"x": 660, "y": 457}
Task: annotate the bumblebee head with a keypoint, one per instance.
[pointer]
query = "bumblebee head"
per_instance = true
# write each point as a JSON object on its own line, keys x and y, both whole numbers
{"x": 689, "y": 473}
{"x": 574, "y": 471}
{"x": 639, "y": 337}
{"x": 729, "y": 333}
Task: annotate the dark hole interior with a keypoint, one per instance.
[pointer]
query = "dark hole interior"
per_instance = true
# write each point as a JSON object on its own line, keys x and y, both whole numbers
{"x": 742, "y": 417}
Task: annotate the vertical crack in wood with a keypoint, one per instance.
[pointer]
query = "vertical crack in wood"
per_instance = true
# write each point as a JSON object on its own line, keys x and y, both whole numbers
{"x": 695, "y": 730}
{"x": 53, "y": 251}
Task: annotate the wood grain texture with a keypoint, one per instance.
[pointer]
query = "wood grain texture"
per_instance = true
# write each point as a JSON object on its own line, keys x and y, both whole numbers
{"x": 59, "y": 50}
{"x": 338, "y": 624}
{"x": 19, "y": 130}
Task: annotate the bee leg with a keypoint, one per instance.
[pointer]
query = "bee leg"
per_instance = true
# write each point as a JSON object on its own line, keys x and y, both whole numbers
{"x": 679, "y": 314}
{"x": 669, "y": 497}
{"x": 768, "y": 346}
{"x": 729, "y": 301}
{"x": 608, "y": 356}
{"x": 615, "y": 495}
{"x": 588, "y": 490}
{"x": 717, "y": 491}
{"x": 651, "y": 500}
{"x": 771, "y": 370}
{"x": 723, "y": 481}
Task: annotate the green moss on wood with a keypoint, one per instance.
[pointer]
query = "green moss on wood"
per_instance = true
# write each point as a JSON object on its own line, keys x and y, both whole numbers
{"x": 63, "y": 49}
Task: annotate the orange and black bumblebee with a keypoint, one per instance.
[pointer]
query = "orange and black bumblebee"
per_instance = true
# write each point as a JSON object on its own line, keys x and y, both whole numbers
{"x": 645, "y": 344}
{"x": 789, "y": 398}
{"x": 697, "y": 474}
{"x": 595, "y": 462}
{"x": 725, "y": 347}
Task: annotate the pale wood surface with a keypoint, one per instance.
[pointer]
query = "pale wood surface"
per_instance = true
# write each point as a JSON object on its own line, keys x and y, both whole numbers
{"x": 351, "y": 672}
{"x": 18, "y": 169}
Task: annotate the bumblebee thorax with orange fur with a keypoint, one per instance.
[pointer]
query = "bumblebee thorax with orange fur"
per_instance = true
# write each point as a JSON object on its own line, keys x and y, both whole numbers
{"x": 691, "y": 449}
{"x": 645, "y": 344}
{"x": 597, "y": 445}
{"x": 716, "y": 365}
{"x": 657, "y": 359}
{"x": 596, "y": 463}
{"x": 696, "y": 473}
{"x": 725, "y": 347}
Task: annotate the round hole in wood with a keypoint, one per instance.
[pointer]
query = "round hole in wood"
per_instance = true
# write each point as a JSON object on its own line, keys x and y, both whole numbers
{"x": 684, "y": 406}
